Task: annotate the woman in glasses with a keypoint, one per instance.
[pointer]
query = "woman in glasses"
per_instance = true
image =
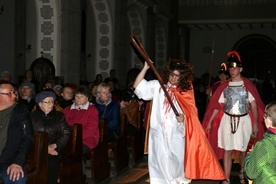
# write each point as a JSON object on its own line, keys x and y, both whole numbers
{"x": 46, "y": 119}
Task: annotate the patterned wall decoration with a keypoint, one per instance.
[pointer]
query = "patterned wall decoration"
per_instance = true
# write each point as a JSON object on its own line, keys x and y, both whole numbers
{"x": 47, "y": 29}
{"x": 47, "y": 44}
{"x": 136, "y": 26}
{"x": 160, "y": 44}
{"x": 104, "y": 37}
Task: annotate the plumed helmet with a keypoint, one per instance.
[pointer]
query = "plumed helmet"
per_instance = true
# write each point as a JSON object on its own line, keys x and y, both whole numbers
{"x": 234, "y": 59}
{"x": 223, "y": 69}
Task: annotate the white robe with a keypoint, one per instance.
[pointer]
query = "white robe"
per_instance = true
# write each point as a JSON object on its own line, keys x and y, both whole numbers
{"x": 239, "y": 140}
{"x": 166, "y": 137}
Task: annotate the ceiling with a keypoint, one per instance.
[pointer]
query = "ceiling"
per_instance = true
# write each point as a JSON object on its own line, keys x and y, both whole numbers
{"x": 227, "y": 14}
{"x": 230, "y": 26}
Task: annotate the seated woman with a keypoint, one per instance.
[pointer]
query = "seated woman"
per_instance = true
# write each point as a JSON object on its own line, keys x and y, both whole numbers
{"x": 66, "y": 96}
{"x": 27, "y": 94}
{"x": 108, "y": 109}
{"x": 83, "y": 112}
{"x": 98, "y": 80}
{"x": 46, "y": 119}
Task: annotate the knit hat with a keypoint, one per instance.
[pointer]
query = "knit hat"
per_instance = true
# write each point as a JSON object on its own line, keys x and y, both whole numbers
{"x": 57, "y": 86}
{"x": 44, "y": 94}
{"x": 28, "y": 84}
{"x": 6, "y": 73}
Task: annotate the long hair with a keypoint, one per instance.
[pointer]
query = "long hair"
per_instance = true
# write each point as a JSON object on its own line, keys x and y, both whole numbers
{"x": 186, "y": 73}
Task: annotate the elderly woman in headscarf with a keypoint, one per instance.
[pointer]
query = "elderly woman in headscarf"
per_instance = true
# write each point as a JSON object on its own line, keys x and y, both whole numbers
{"x": 46, "y": 119}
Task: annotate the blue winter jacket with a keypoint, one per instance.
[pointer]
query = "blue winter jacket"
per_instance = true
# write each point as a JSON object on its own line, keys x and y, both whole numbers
{"x": 111, "y": 112}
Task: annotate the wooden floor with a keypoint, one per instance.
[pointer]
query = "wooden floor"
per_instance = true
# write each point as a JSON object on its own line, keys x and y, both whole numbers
{"x": 138, "y": 174}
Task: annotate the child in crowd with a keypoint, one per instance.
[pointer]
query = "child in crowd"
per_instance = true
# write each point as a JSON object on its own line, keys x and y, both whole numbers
{"x": 260, "y": 164}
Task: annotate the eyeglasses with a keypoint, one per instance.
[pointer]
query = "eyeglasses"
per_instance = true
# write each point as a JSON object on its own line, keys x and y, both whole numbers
{"x": 80, "y": 96}
{"x": 9, "y": 93}
{"x": 174, "y": 75}
{"x": 49, "y": 102}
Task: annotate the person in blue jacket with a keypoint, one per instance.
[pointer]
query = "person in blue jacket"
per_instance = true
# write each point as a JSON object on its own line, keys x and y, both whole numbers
{"x": 108, "y": 109}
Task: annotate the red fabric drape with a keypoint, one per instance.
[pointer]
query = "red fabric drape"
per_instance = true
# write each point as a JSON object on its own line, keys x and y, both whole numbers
{"x": 200, "y": 160}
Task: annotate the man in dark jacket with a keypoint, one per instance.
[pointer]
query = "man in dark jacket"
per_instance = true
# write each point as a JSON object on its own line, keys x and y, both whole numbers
{"x": 16, "y": 136}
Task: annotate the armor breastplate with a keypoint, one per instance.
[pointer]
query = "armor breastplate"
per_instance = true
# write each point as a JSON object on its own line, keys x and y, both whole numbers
{"x": 236, "y": 100}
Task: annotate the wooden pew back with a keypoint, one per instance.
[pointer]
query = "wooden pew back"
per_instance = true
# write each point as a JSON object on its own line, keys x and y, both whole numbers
{"x": 103, "y": 128}
{"x": 98, "y": 156}
{"x": 119, "y": 147}
{"x": 70, "y": 170}
{"x": 137, "y": 141}
{"x": 37, "y": 162}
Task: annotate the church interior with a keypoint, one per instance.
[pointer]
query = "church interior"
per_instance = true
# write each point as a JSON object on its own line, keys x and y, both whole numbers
{"x": 62, "y": 40}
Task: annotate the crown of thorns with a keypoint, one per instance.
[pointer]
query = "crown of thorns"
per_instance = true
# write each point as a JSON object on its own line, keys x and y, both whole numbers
{"x": 177, "y": 65}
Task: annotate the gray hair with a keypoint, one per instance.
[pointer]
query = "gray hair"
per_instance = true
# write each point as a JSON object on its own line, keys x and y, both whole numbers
{"x": 102, "y": 86}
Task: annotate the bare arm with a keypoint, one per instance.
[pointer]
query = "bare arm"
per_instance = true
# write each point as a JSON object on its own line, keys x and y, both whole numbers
{"x": 211, "y": 119}
{"x": 141, "y": 75}
{"x": 255, "y": 116}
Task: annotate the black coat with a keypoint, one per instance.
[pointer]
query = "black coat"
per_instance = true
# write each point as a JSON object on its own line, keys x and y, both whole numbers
{"x": 20, "y": 138}
{"x": 31, "y": 104}
{"x": 64, "y": 103}
{"x": 54, "y": 124}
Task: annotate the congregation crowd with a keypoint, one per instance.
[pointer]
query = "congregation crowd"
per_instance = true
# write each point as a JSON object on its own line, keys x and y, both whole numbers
{"x": 53, "y": 109}
{"x": 31, "y": 107}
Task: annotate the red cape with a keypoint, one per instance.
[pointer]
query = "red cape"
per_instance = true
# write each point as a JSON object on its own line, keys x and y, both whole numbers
{"x": 200, "y": 160}
{"x": 214, "y": 104}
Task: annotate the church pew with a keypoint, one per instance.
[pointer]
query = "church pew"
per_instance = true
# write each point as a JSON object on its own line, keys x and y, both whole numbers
{"x": 37, "y": 162}
{"x": 98, "y": 156}
{"x": 119, "y": 148}
{"x": 70, "y": 170}
{"x": 137, "y": 141}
